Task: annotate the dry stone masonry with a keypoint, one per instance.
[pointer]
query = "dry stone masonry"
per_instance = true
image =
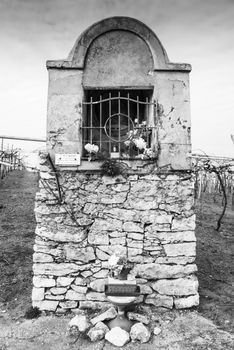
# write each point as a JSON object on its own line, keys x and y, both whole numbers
{"x": 148, "y": 218}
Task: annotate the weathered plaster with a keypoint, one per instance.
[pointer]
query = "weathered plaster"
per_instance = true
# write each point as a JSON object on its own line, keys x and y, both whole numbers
{"x": 115, "y": 59}
{"x": 64, "y": 114}
{"x": 121, "y": 52}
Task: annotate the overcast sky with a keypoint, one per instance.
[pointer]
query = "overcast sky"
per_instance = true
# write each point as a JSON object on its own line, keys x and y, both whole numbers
{"x": 199, "y": 32}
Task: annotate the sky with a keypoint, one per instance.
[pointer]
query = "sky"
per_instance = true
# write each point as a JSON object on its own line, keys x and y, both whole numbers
{"x": 199, "y": 32}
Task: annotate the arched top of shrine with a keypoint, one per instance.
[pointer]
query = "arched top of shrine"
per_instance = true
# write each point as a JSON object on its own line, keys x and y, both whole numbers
{"x": 77, "y": 56}
{"x": 79, "y": 51}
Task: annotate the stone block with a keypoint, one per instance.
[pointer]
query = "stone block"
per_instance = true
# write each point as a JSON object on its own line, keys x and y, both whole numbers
{"x": 180, "y": 249}
{"x": 98, "y": 285}
{"x": 160, "y": 300}
{"x": 136, "y": 236}
{"x": 101, "y": 255}
{"x": 157, "y": 271}
{"x": 79, "y": 281}
{"x": 86, "y": 274}
{"x": 173, "y": 237}
{"x": 49, "y": 248}
{"x": 95, "y": 334}
{"x": 152, "y": 247}
{"x": 39, "y": 281}
{"x": 57, "y": 290}
{"x": 81, "y": 322}
{"x": 178, "y": 260}
{"x": 140, "y": 332}
{"x": 103, "y": 273}
{"x": 61, "y": 269}
{"x": 183, "y": 303}
{"x": 117, "y": 336}
{"x": 38, "y": 293}
{"x": 68, "y": 304}
{"x": 117, "y": 249}
{"x": 141, "y": 204}
{"x": 95, "y": 296}
{"x": 100, "y": 225}
{"x": 94, "y": 305}
{"x": 138, "y": 317}
{"x": 117, "y": 234}
{"x": 133, "y": 252}
{"x": 118, "y": 241}
{"x": 64, "y": 281}
{"x": 178, "y": 287}
{"x": 184, "y": 224}
{"x": 79, "y": 289}
{"x": 73, "y": 295}
{"x": 101, "y": 325}
{"x": 162, "y": 219}
{"x": 157, "y": 330}
{"x": 107, "y": 315}
{"x": 98, "y": 237}
{"x": 84, "y": 255}
{"x": 74, "y": 234}
{"x": 140, "y": 259}
{"x": 130, "y": 226}
{"x": 145, "y": 289}
{"x": 134, "y": 244}
{"x": 42, "y": 258}
{"x": 124, "y": 214}
{"x": 107, "y": 180}
{"x": 48, "y": 305}
{"x": 153, "y": 228}
{"x": 54, "y": 297}
{"x": 113, "y": 198}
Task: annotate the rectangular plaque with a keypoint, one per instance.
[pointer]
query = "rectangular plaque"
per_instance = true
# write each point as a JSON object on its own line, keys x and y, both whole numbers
{"x": 67, "y": 159}
{"x": 114, "y": 155}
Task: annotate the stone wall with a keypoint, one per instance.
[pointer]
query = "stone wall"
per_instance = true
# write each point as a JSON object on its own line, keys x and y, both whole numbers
{"x": 148, "y": 218}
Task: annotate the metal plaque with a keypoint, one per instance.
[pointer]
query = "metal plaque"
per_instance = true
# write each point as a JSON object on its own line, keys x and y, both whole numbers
{"x": 67, "y": 159}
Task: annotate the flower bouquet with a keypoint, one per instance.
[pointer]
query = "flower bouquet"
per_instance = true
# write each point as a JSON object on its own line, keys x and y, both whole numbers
{"x": 120, "y": 267}
{"x": 138, "y": 140}
{"x": 91, "y": 149}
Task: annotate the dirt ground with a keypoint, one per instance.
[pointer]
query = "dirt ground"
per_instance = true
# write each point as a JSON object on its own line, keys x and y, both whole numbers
{"x": 214, "y": 260}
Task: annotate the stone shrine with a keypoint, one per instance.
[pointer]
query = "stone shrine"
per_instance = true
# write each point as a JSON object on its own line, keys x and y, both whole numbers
{"x": 116, "y": 101}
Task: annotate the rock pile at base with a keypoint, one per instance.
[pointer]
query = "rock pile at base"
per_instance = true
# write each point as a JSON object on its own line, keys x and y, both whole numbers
{"x": 117, "y": 336}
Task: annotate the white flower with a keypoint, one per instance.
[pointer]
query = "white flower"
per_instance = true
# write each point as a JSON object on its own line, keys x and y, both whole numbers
{"x": 91, "y": 148}
{"x": 113, "y": 261}
{"x": 127, "y": 143}
{"x": 140, "y": 143}
{"x": 149, "y": 152}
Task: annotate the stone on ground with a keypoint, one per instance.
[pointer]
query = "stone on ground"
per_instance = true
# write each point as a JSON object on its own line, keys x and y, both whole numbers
{"x": 157, "y": 330}
{"x": 138, "y": 317}
{"x": 103, "y": 326}
{"x": 95, "y": 334}
{"x": 117, "y": 336}
{"x": 98, "y": 332}
{"x": 79, "y": 321}
{"x": 140, "y": 332}
{"x": 107, "y": 315}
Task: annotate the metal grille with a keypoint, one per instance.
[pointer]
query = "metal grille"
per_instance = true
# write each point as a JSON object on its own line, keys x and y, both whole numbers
{"x": 109, "y": 116}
